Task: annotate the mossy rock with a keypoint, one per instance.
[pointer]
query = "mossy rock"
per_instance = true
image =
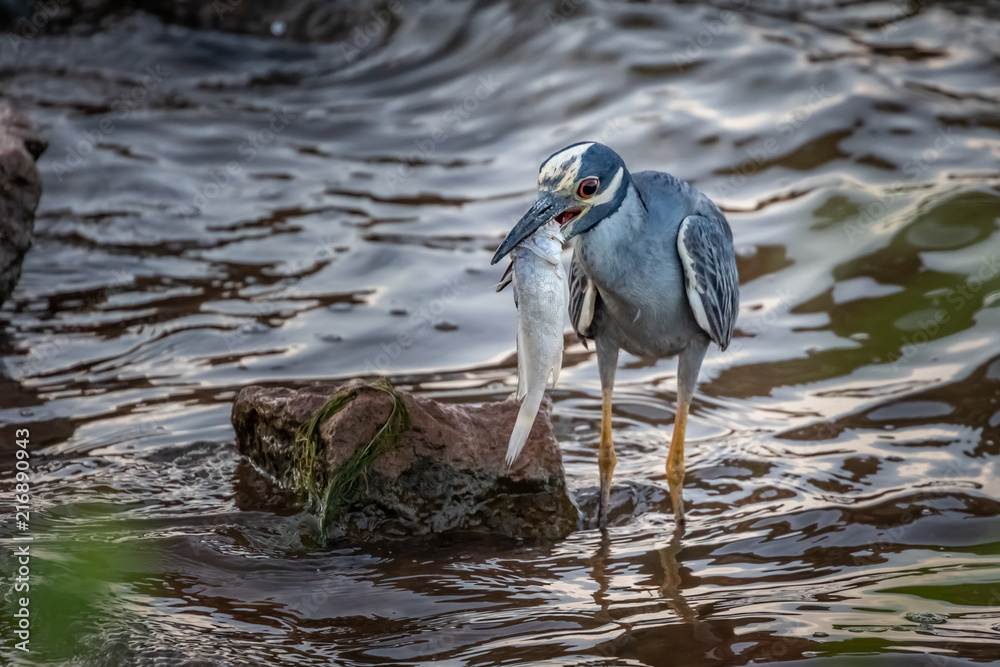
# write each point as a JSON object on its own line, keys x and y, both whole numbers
{"x": 374, "y": 463}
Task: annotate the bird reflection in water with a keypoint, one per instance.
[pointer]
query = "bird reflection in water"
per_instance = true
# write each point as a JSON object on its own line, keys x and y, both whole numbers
{"x": 671, "y": 596}
{"x": 670, "y": 589}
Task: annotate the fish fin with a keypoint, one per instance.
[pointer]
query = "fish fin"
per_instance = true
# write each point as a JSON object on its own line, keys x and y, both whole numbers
{"x": 507, "y": 279}
{"x": 525, "y": 420}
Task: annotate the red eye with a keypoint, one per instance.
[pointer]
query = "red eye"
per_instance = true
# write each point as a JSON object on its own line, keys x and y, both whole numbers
{"x": 588, "y": 188}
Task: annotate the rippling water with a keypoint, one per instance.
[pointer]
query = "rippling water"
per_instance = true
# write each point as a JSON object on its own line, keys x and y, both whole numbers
{"x": 221, "y": 210}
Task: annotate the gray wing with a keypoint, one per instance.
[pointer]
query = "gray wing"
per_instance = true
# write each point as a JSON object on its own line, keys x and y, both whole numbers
{"x": 583, "y": 301}
{"x": 705, "y": 244}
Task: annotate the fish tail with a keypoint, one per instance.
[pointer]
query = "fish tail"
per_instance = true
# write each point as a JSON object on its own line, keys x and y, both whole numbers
{"x": 525, "y": 420}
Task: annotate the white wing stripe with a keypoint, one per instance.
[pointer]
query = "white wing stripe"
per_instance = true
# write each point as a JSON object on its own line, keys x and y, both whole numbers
{"x": 587, "y": 311}
{"x": 694, "y": 286}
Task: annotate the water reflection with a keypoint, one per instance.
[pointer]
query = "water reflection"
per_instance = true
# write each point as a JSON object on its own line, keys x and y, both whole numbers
{"x": 671, "y": 587}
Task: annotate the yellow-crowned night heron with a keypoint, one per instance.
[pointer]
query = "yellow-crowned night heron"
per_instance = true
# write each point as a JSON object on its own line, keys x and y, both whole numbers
{"x": 653, "y": 273}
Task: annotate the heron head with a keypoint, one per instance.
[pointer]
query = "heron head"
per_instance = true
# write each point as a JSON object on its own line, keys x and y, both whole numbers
{"x": 578, "y": 186}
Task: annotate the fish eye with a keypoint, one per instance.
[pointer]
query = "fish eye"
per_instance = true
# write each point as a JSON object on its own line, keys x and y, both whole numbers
{"x": 588, "y": 188}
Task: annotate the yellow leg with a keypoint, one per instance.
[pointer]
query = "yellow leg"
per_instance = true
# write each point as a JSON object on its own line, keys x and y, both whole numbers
{"x": 606, "y": 459}
{"x": 675, "y": 461}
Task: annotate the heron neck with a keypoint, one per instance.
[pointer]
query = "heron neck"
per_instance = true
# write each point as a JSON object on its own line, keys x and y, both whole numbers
{"x": 607, "y": 249}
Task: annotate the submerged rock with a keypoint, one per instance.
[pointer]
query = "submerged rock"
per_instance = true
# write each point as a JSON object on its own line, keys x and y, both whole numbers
{"x": 20, "y": 190}
{"x": 445, "y": 472}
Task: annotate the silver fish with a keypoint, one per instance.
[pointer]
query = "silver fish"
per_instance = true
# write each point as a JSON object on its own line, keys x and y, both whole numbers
{"x": 541, "y": 294}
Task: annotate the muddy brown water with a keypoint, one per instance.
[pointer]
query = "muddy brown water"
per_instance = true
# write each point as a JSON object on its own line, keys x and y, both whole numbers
{"x": 221, "y": 210}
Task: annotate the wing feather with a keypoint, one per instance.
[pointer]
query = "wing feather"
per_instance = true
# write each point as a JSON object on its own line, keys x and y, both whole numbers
{"x": 583, "y": 300}
{"x": 705, "y": 245}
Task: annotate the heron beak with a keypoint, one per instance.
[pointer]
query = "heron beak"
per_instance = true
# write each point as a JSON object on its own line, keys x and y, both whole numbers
{"x": 545, "y": 208}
